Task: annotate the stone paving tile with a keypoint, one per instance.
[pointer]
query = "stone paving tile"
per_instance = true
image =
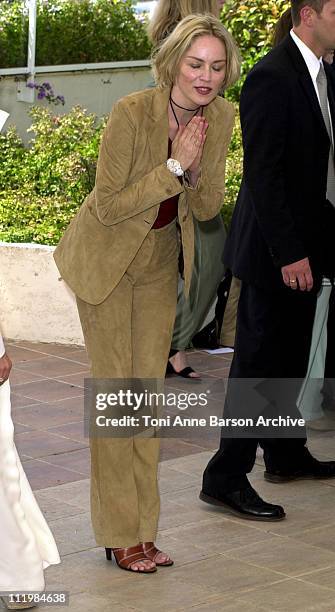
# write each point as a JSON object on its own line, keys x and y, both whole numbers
{"x": 292, "y": 596}
{"x": 227, "y": 576}
{"x": 42, "y": 474}
{"x": 320, "y": 536}
{"x": 74, "y": 431}
{"x": 48, "y": 391}
{"x": 219, "y": 535}
{"x": 75, "y": 379}
{"x": 38, "y": 444}
{"x": 18, "y": 378}
{"x": 19, "y": 401}
{"x": 78, "y": 460}
{"x": 46, "y": 348}
{"x": 44, "y": 416}
{"x": 54, "y": 509}
{"x": 324, "y": 578}
{"x": 76, "y": 493}
{"x": 51, "y": 367}
{"x": 73, "y": 534}
{"x": 283, "y": 554}
{"x": 21, "y": 353}
{"x": 22, "y": 429}
{"x": 224, "y": 604}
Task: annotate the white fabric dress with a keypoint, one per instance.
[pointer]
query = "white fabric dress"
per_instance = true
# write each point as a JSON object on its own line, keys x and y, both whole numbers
{"x": 27, "y": 546}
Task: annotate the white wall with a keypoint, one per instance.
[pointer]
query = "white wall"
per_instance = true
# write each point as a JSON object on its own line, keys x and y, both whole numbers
{"x": 95, "y": 90}
{"x": 35, "y": 304}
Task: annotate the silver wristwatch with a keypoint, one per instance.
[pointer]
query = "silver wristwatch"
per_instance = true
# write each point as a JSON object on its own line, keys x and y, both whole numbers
{"x": 174, "y": 166}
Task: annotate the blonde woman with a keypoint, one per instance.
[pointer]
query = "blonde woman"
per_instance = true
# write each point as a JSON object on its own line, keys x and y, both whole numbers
{"x": 169, "y": 12}
{"x": 209, "y": 236}
{"x": 162, "y": 157}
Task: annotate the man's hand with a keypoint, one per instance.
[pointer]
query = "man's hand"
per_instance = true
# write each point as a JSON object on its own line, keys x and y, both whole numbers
{"x": 5, "y": 368}
{"x": 298, "y": 275}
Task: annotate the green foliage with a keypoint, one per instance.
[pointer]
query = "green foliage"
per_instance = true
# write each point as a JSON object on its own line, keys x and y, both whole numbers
{"x": 233, "y": 173}
{"x": 43, "y": 185}
{"x": 70, "y": 32}
{"x": 252, "y": 23}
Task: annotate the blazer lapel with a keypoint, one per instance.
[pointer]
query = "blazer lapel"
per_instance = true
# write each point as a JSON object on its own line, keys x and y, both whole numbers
{"x": 305, "y": 79}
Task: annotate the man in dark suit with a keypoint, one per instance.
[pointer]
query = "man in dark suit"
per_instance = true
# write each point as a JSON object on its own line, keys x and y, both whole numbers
{"x": 280, "y": 246}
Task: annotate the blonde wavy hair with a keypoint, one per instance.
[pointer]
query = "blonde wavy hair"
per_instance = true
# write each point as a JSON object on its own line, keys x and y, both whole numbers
{"x": 166, "y": 59}
{"x": 169, "y": 12}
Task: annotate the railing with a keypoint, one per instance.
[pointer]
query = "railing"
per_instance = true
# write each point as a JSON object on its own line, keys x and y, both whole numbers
{"x": 75, "y": 67}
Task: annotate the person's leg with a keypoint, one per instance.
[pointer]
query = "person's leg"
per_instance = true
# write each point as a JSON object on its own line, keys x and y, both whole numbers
{"x": 329, "y": 384}
{"x": 154, "y": 307}
{"x": 266, "y": 324}
{"x": 228, "y": 329}
{"x": 310, "y": 396}
{"x": 208, "y": 270}
{"x": 114, "y": 500}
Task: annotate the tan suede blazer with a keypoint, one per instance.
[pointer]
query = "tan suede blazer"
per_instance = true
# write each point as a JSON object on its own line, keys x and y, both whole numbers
{"x": 132, "y": 180}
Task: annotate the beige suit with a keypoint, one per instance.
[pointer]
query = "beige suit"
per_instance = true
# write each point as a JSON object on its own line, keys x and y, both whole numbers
{"x": 125, "y": 280}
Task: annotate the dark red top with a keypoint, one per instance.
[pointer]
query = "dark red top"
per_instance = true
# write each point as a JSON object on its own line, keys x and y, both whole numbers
{"x": 168, "y": 209}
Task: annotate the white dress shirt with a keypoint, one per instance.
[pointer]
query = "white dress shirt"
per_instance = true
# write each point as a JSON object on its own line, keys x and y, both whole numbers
{"x": 313, "y": 64}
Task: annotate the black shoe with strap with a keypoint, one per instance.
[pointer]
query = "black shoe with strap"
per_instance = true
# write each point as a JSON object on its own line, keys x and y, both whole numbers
{"x": 246, "y": 503}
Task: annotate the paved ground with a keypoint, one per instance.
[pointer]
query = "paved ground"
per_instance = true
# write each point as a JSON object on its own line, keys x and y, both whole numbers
{"x": 221, "y": 563}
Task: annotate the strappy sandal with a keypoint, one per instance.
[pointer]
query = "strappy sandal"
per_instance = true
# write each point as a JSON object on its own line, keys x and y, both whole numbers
{"x": 151, "y": 552}
{"x": 184, "y": 373}
{"x": 126, "y": 557}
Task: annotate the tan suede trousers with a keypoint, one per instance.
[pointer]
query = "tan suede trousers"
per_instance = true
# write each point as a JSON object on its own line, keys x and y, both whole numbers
{"x": 129, "y": 336}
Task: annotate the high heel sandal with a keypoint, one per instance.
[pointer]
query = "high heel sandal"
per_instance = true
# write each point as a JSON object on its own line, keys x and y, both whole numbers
{"x": 126, "y": 557}
{"x": 184, "y": 373}
{"x": 151, "y": 552}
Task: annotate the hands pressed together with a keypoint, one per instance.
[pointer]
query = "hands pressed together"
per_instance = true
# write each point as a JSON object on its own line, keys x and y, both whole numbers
{"x": 188, "y": 146}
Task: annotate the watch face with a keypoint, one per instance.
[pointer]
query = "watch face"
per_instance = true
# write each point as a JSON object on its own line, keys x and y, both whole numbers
{"x": 175, "y": 167}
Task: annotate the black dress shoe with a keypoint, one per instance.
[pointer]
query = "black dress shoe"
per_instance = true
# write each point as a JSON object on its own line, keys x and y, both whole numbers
{"x": 246, "y": 503}
{"x": 315, "y": 469}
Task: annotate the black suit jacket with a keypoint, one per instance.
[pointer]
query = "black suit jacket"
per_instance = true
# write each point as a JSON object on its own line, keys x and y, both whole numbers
{"x": 282, "y": 214}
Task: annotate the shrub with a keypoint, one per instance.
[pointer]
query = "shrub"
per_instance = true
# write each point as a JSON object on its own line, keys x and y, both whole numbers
{"x": 70, "y": 32}
{"x": 234, "y": 172}
{"x": 251, "y": 22}
{"x": 43, "y": 185}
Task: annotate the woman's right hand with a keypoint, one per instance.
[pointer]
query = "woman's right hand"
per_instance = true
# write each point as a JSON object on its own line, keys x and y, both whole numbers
{"x": 188, "y": 142}
{"x": 5, "y": 368}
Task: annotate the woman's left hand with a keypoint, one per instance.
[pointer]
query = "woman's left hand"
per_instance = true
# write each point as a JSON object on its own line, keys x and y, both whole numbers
{"x": 194, "y": 168}
{"x": 5, "y": 368}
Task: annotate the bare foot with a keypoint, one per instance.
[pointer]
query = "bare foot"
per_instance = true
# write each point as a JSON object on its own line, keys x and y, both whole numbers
{"x": 159, "y": 557}
{"x": 142, "y": 566}
{"x": 179, "y": 362}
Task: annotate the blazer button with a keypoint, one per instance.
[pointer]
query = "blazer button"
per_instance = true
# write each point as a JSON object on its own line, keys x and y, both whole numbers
{"x": 184, "y": 218}
{"x": 168, "y": 190}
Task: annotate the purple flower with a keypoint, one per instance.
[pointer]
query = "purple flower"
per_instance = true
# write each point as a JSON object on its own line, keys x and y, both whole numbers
{"x": 41, "y": 94}
{"x": 31, "y": 85}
